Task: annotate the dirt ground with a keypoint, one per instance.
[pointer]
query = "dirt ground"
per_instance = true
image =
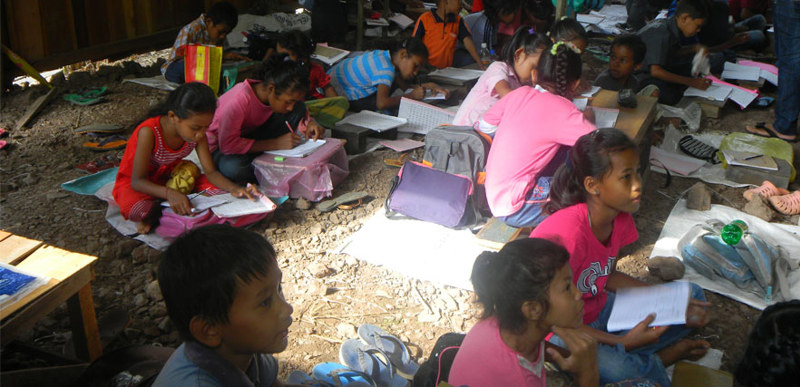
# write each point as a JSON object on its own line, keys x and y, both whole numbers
{"x": 332, "y": 294}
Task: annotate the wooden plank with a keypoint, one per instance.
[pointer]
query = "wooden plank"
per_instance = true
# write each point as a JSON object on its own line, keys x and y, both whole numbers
{"x": 58, "y": 31}
{"x": 37, "y": 105}
{"x": 3, "y": 236}
{"x": 43, "y": 376}
{"x": 85, "y": 334}
{"x": 25, "y": 28}
{"x": 633, "y": 121}
{"x": 495, "y": 234}
{"x": 14, "y": 248}
{"x": 56, "y": 263}
{"x": 129, "y": 16}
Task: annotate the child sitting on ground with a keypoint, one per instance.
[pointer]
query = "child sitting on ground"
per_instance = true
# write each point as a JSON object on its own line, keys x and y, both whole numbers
{"x": 261, "y": 114}
{"x": 222, "y": 288}
{"x": 667, "y": 63}
{"x": 591, "y": 201}
{"x": 772, "y": 357}
{"x": 173, "y": 129}
{"x": 441, "y": 29}
{"x": 211, "y": 28}
{"x": 526, "y": 292}
{"x": 520, "y": 58}
{"x": 369, "y": 79}
{"x": 627, "y": 53}
{"x": 532, "y": 124}
{"x": 299, "y": 47}
{"x": 571, "y": 31}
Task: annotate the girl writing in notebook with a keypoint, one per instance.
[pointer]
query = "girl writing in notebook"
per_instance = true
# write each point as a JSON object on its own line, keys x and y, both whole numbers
{"x": 173, "y": 129}
{"x": 592, "y": 198}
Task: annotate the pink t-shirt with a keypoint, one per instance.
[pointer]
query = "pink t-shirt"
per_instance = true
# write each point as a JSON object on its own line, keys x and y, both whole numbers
{"x": 483, "y": 95}
{"x": 239, "y": 112}
{"x": 591, "y": 260}
{"x": 531, "y": 125}
{"x": 485, "y": 360}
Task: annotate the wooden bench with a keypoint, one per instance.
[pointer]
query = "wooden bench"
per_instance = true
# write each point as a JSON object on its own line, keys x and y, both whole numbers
{"x": 70, "y": 276}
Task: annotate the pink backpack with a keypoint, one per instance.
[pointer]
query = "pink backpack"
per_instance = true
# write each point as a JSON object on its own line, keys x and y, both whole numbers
{"x": 173, "y": 225}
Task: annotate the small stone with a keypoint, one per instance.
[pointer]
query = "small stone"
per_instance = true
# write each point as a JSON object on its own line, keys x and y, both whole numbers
{"x": 699, "y": 198}
{"x": 153, "y": 291}
{"x": 315, "y": 229}
{"x": 51, "y": 196}
{"x": 350, "y": 261}
{"x": 319, "y": 270}
{"x": 30, "y": 179}
{"x": 346, "y": 330}
{"x": 165, "y": 325}
{"x": 759, "y": 207}
{"x": 158, "y": 310}
{"x": 58, "y": 79}
{"x": 79, "y": 78}
{"x": 302, "y": 204}
{"x": 139, "y": 300}
{"x": 382, "y": 293}
{"x": 666, "y": 268}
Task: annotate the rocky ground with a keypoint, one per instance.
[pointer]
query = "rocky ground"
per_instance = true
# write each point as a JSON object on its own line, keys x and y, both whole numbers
{"x": 332, "y": 294}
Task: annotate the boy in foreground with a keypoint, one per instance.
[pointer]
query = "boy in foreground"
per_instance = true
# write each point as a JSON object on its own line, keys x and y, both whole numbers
{"x": 222, "y": 288}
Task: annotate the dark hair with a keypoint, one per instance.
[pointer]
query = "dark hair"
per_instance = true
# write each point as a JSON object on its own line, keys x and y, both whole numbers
{"x": 298, "y": 43}
{"x": 697, "y": 9}
{"x": 524, "y": 37}
{"x": 492, "y": 9}
{"x": 224, "y": 12}
{"x": 567, "y": 30}
{"x": 186, "y": 100}
{"x": 521, "y": 271}
{"x": 413, "y": 46}
{"x": 589, "y": 157}
{"x": 772, "y": 357}
{"x": 284, "y": 73}
{"x": 199, "y": 272}
{"x": 560, "y": 70}
{"x": 540, "y": 9}
{"x": 634, "y": 43}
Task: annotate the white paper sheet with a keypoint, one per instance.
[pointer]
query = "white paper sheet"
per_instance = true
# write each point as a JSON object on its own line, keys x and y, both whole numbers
{"x": 329, "y": 55}
{"x": 744, "y": 73}
{"x": 455, "y": 73}
{"x": 668, "y": 301}
{"x": 201, "y": 203}
{"x": 714, "y": 92}
{"x": 741, "y": 97}
{"x": 589, "y": 19}
{"x": 770, "y": 77}
{"x": 580, "y": 103}
{"x": 401, "y": 20}
{"x": 304, "y": 149}
{"x": 243, "y": 206}
{"x": 591, "y": 91}
{"x": 680, "y": 164}
{"x": 605, "y": 117}
{"x": 372, "y": 120}
{"x": 422, "y": 117}
{"x": 402, "y": 145}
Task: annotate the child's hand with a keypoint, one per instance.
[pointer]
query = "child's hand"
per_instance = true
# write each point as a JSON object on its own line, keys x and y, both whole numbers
{"x": 642, "y": 335}
{"x": 314, "y": 130}
{"x": 417, "y": 93}
{"x": 700, "y": 83}
{"x": 437, "y": 89}
{"x": 249, "y": 192}
{"x": 696, "y": 314}
{"x": 287, "y": 141}
{"x": 179, "y": 202}
{"x": 582, "y": 360}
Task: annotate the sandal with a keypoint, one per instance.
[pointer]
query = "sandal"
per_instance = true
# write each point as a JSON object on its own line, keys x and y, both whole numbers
{"x": 770, "y": 133}
{"x": 347, "y": 201}
{"x": 767, "y": 190}
{"x": 108, "y": 143}
{"x": 340, "y": 375}
{"x": 100, "y": 128}
{"x": 787, "y": 204}
{"x": 371, "y": 361}
{"x": 698, "y": 149}
{"x": 398, "y": 162}
{"x": 302, "y": 378}
{"x": 398, "y": 353}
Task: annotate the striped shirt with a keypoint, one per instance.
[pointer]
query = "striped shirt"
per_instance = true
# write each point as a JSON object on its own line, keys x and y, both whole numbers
{"x": 192, "y": 33}
{"x": 359, "y": 77}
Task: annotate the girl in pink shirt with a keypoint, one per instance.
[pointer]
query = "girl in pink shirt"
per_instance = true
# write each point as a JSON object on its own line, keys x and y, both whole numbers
{"x": 534, "y": 126}
{"x": 526, "y": 292}
{"x": 520, "y": 57}
{"x": 592, "y": 198}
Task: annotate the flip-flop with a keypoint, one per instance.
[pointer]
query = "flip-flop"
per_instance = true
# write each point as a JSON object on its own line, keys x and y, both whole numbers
{"x": 80, "y": 100}
{"x": 304, "y": 379}
{"x": 770, "y": 132}
{"x": 341, "y": 200}
{"x": 100, "y": 128}
{"x": 398, "y": 162}
{"x": 340, "y": 375}
{"x": 109, "y": 143}
{"x": 764, "y": 101}
{"x": 371, "y": 361}
{"x": 698, "y": 149}
{"x": 398, "y": 353}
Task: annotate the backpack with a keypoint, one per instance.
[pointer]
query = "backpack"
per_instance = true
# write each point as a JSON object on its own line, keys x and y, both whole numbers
{"x": 437, "y": 368}
{"x": 460, "y": 150}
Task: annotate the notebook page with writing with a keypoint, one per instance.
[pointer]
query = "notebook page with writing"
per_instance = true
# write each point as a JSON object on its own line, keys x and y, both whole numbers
{"x": 243, "y": 206}
{"x": 302, "y": 150}
{"x": 422, "y": 117}
{"x": 371, "y": 120}
{"x": 668, "y": 301}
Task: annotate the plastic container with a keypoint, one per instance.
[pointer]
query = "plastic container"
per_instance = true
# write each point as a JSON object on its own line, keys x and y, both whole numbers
{"x": 486, "y": 56}
{"x": 732, "y": 232}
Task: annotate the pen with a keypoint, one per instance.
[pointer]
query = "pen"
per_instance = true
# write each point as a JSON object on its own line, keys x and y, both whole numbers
{"x": 292, "y": 130}
{"x": 197, "y": 194}
{"x": 753, "y": 157}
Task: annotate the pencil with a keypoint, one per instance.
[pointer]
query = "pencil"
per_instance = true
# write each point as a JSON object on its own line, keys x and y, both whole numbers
{"x": 753, "y": 157}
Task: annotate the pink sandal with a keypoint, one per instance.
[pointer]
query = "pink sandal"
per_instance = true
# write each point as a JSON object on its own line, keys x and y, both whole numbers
{"x": 767, "y": 190}
{"x": 787, "y": 204}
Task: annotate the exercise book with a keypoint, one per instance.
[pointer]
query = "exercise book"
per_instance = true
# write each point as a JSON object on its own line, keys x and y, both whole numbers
{"x": 304, "y": 149}
{"x": 422, "y": 117}
{"x": 372, "y": 120}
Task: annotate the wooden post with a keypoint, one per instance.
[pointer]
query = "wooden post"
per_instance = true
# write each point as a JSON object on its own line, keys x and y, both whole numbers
{"x": 85, "y": 335}
{"x": 360, "y": 26}
{"x": 561, "y": 9}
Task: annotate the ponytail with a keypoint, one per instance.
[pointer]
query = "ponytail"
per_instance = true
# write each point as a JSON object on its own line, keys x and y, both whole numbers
{"x": 284, "y": 73}
{"x": 589, "y": 157}
{"x": 559, "y": 67}
{"x": 526, "y": 38}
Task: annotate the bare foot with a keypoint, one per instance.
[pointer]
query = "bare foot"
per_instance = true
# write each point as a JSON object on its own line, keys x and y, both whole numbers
{"x": 683, "y": 350}
{"x": 143, "y": 227}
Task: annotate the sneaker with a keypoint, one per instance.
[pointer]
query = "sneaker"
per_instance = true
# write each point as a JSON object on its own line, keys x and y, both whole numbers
{"x": 787, "y": 204}
{"x": 767, "y": 190}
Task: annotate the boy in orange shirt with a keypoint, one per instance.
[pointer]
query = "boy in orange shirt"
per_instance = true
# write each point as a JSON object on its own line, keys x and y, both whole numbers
{"x": 440, "y": 29}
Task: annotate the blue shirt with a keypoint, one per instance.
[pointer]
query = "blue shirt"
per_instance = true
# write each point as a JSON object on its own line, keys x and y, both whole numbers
{"x": 194, "y": 364}
{"x": 359, "y": 77}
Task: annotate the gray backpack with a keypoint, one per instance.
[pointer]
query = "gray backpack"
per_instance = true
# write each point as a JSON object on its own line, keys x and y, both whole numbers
{"x": 460, "y": 150}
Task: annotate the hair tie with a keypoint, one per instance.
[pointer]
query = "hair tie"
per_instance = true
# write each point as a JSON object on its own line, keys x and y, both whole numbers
{"x": 570, "y": 45}
{"x": 531, "y": 31}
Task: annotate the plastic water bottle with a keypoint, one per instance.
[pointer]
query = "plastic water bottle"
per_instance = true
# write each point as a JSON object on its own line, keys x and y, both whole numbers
{"x": 486, "y": 56}
{"x": 493, "y": 55}
{"x": 732, "y": 232}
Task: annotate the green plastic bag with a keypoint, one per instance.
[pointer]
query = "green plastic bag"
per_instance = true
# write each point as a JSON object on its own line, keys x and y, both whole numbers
{"x": 746, "y": 142}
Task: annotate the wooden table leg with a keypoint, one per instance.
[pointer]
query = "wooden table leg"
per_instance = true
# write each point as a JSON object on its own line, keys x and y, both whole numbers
{"x": 85, "y": 334}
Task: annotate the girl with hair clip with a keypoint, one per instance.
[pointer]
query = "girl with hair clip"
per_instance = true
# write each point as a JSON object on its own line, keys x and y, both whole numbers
{"x": 157, "y": 146}
{"x": 526, "y": 292}
{"x": 571, "y": 31}
{"x": 369, "y": 79}
{"x": 592, "y": 198}
{"x": 532, "y": 126}
{"x": 261, "y": 114}
{"x": 772, "y": 357}
{"x": 520, "y": 58}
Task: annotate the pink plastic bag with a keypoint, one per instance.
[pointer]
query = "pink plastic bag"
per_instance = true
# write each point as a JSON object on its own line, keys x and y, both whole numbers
{"x": 173, "y": 225}
{"x": 312, "y": 177}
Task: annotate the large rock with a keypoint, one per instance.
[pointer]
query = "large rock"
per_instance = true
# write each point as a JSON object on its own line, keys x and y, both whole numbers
{"x": 699, "y": 198}
{"x": 760, "y": 208}
{"x": 666, "y": 268}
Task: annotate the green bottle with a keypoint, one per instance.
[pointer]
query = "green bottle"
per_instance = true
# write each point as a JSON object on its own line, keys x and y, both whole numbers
{"x": 733, "y": 231}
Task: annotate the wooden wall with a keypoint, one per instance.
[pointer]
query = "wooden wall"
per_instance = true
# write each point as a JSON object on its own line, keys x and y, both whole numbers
{"x": 54, "y": 33}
